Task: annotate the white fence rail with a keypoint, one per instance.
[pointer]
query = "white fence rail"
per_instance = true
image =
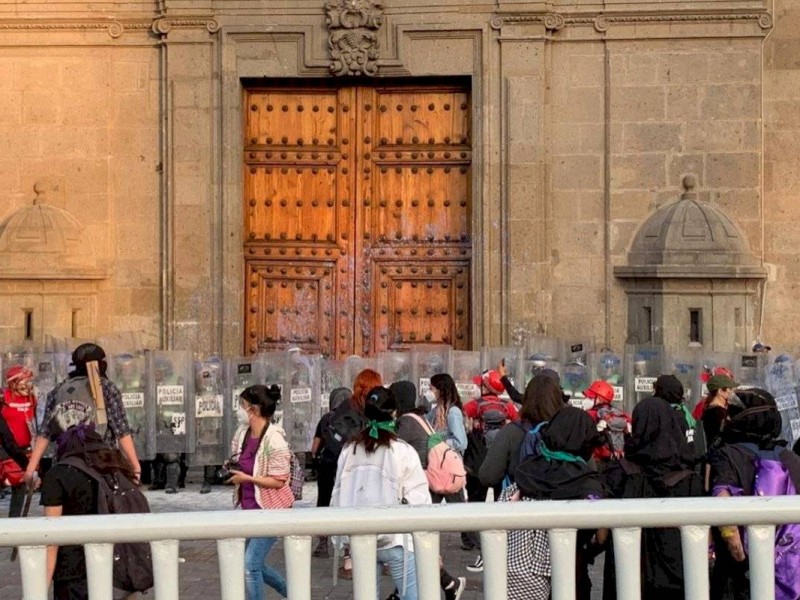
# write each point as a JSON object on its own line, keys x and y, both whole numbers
{"x": 297, "y": 526}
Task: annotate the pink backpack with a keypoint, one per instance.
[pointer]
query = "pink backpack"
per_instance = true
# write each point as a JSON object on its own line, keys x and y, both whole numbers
{"x": 446, "y": 474}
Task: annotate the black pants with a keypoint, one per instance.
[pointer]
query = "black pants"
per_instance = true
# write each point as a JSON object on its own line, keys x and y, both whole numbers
{"x": 326, "y": 476}
{"x": 70, "y": 589}
{"x": 476, "y": 492}
{"x": 17, "y": 503}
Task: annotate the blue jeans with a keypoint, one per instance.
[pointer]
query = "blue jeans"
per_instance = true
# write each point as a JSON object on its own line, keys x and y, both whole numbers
{"x": 257, "y": 572}
{"x": 393, "y": 558}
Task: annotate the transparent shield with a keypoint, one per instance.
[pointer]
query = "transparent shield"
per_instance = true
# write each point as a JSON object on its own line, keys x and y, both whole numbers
{"x": 129, "y": 372}
{"x": 303, "y": 408}
{"x": 466, "y": 366}
{"x": 395, "y": 366}
{"x": 751, "y": 370}
{"x": 510, "y": 356}
{"x": 576, "y": 377}
{"x": 353, "y": 365}
{"x": 545, "y": 348}
{"x": 685, "y": 368}
{"x": 331, "y": 377}
{"x": 609, "y": 367}
{"x": 209, "y": 413}
{"x": 782, "y": 384}
{"x": 643, "y": 365}
{"x": 172, "y": 389}
{"x": 275, "y": 368}
{"x": 241, "y": 373}
{"x": 427, "y": 361}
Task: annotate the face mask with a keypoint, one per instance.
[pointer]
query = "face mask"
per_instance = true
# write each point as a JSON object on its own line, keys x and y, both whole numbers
{"x": 242, "y": 417}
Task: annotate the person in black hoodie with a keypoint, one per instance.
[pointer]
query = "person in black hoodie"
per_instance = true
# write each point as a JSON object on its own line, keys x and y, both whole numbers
{"x": 657, "y": 464}
{"x": 560, "y": 472}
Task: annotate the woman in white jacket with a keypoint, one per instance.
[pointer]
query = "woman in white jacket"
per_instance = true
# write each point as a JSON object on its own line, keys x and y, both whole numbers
{"x": 377, "y": 469}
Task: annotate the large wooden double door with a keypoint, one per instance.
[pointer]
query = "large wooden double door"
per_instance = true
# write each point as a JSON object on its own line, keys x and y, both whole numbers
{"x": 358, "y": 216}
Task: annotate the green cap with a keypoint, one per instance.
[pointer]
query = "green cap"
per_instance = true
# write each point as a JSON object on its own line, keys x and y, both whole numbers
{"x": 718, "y": 382}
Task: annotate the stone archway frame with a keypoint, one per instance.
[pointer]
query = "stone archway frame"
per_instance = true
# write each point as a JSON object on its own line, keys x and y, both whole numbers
{"x": 288, "y": 52}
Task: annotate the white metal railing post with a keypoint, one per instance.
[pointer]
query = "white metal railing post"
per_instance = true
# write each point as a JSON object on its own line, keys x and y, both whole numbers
{"x": 562, "y": 560}
{"x": 297, "y": 549}
{"x": 761, "y": 550}
{"x": 426, "y": 557}
{"x": 230, "y": 555}
{"x": 494, "y": 550}
{"x": 363, "y": 549}
{"x": 165, "y": 569}
{"x": 694, "y": 547}
{"x": 33, "y": 566}
{"x": 100, "y": 570}
{"x": 627, "y": 558}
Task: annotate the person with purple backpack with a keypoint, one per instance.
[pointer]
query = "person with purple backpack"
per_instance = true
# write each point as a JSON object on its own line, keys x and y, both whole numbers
{"x": 748, "y": 459}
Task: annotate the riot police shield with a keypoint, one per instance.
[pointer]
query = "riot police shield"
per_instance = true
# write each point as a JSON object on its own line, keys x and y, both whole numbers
{"x": 240, "y": 374}
{"x": 353, "y": 365}
{"x": 303, "y": 407}
{"x": 782, "y": 380}
{"x": 209, "y": 413}
{"x": 274, "y": 365}
{"x": 751, "y": 370}
{"x": 427, "y": 360}
{"x": 466, "y": 365}
{"x": 331, "y": 377}
{"x": 576, "y": 376}
{"x": 510, "y": 357}
{"x": 608, "y": 366}
{"x": 172, "y": 389}
{"x": 643, "y": 365}
{"x": 685, "y": 368}
{"x": 49, "y": 369}
{"x": 129, "y": 373}
{"x": 395, "y": 366}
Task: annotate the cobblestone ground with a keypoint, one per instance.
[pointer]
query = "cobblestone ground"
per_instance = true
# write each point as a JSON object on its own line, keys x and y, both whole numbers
{"x": 199, "y": 571}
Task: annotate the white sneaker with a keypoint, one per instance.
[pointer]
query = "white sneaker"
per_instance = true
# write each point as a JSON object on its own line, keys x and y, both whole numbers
{"x": 477, "y": 566}
{"x": 461, "y": 585}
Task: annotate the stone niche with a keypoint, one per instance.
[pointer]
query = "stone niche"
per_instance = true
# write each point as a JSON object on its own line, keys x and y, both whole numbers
{"x": 691, "y": 280}
{"x": 49, "y": 272}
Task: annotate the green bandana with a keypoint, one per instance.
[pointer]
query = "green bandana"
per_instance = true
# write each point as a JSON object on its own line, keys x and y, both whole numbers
{"x": 550, "y": 455}
{"x": 690, "y": 420}
{"x": 374, "y": 426}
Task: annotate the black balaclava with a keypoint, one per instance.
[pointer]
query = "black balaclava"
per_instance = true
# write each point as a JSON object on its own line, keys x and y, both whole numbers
{"x": 405, "y": 395}
{"x": 753, "y": 417}
{"x": 657, "y": 442}
{"x": 669, "y": 388}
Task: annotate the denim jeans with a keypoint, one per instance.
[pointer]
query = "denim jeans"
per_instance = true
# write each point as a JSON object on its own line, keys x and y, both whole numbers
{"x": 257, "y": 572}
{"x": 393, "y": 558}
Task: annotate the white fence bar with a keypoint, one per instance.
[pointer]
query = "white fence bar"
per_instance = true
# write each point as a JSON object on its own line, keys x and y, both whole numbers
{"x": 230, "y": 555}
{"x": 494, "y": 546}
{"x": 562, "y": 560}
{"x": 165, "y": 568}
{"x": 363, "y": 550}
{"x": 628, "y": 551}
{"x": 100, "y": 570}
{"x": 426, "y": 557}
{"x": 694, "y": 544}
{"x": 297, "y": 550}
{"x": 761, "y": 550}
{"x": 33, "y": 566}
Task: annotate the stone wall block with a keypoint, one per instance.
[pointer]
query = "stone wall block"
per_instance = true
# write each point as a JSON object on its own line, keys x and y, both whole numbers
{"x": 732, "y": 170}
{"x": 638, "y": 171}
{"x": 652, "y": 137}
{"x": 638, "y": 103}
{"x": 679, "y": 165}
{"x": 682, "y": 68}
{"x": 683, "y": 102}
{"x": 729, "y": 67}
{"x": 577, "y": 172}
{"x": 10, "y": 107}
{"x": 735, "y": 101}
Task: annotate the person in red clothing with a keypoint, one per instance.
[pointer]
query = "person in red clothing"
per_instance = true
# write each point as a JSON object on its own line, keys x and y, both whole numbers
{"x": 612, "y": 422}
{"x": 18, "y": 411}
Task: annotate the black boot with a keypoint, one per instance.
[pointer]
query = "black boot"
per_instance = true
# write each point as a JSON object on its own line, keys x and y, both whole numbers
{"x": 173, "y": 475}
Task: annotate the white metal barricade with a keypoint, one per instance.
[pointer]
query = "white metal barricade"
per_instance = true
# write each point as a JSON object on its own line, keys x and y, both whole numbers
{"x": 230, "y": 528}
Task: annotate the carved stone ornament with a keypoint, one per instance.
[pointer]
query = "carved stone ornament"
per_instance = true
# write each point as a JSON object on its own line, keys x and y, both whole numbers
{"x": 352, "y": 38}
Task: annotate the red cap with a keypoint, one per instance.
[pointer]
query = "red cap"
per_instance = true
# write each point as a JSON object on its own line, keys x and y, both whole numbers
{"x": 492, "y": 380}
{"x": 600, "y": 390}
{"x": 18, "y": 372}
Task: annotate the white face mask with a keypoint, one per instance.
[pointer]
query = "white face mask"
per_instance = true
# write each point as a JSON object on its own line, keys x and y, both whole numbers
{"x": 242, "y": 417}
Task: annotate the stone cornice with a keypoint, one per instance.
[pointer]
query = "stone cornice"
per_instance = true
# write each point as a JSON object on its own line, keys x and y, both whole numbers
{"x": 115, "y": 28}
{"x": 604, "y": 22}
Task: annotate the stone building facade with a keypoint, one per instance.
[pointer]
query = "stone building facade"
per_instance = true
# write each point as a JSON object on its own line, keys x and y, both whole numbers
{"x": 128, "y": 121}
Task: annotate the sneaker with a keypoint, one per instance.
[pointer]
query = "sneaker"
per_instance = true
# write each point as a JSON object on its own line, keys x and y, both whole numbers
{"x": 461, "y": 585}
{"x": 477, "y": 566}
{"x": 206, "y": 489}
{"x": 170, "y": 490}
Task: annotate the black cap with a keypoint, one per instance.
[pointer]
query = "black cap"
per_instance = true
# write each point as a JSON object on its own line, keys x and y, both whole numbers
{"x": 87, "y": 353}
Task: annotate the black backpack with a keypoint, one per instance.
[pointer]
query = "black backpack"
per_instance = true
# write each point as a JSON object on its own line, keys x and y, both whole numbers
{"x": 344, "y": 425}
{"x": 116, "y": 494}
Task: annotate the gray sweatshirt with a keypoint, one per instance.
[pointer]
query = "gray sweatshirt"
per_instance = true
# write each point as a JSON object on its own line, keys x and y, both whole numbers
{"x": 502, "y": 454}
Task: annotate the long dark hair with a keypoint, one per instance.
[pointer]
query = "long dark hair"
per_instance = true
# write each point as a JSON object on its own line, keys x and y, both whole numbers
{"x": 379, "y": 405}
{"x": 265, "y": 398}
{"x": 84, "y": 442}
{"x": 448, "y": 393}
{"x": 543, "y": 400}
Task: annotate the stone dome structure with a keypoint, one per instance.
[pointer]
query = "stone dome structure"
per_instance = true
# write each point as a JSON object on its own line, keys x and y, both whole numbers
{"x": 42, "y": 241}
{"x": 690, "y": 238}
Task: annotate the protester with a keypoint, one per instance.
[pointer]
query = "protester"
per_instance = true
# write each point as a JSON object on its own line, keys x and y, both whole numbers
{"x": 655, "y": 466}
{"x": 715, "y": 405}
{"x": 76, "y": 386}
{"x": 748, "y": 459}
{"x": 325, "y": 459}
{"x": 262, "y": 479}
{"x": 377, "y": 469}
{"x": 17, "y": 431}
{"x": 541, "y": 402}
{"x": 487, "y": 415}
{"x": 446, "y": 416}
{"x": 560, "y": 472}
{"x": 611, "y": 422}
{"x": 365, "y": 381}
{"x": 410, "y": 429}
{"x": 67, "y": 490}
{"x": 669, "y": 388}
